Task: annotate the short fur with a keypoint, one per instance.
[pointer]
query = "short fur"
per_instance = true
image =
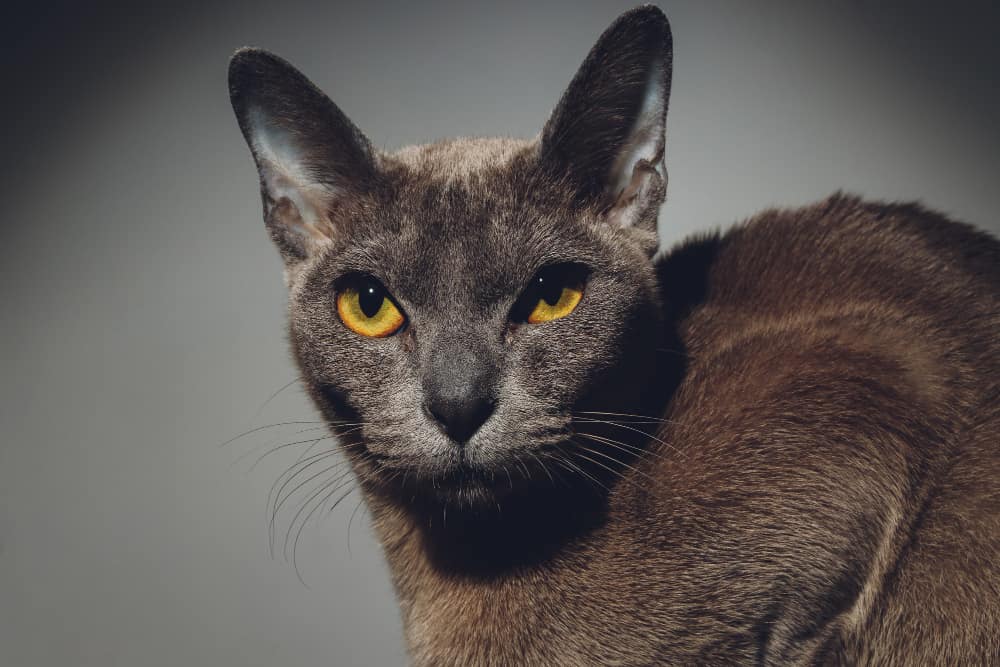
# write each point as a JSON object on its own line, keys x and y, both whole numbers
{"x": 773, "y": 446}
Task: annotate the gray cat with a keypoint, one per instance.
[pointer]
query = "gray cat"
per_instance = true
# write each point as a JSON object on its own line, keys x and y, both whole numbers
{"x": 774, "y": 446}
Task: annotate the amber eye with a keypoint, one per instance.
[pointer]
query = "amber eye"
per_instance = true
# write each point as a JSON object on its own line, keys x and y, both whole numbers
{"x": 553, "y": 293}
{"x": 365, "y": 307}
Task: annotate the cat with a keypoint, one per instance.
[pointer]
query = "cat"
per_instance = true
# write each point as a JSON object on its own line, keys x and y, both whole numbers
{"x": 777, "y": 445}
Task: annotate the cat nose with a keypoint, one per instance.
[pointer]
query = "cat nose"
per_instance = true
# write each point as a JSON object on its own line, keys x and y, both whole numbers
{"x": 458, "y": 392}
{"x": 460, "y": 416}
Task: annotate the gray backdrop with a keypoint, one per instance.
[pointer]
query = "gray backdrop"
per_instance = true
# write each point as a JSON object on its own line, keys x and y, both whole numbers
{"x": 144, "y": 310}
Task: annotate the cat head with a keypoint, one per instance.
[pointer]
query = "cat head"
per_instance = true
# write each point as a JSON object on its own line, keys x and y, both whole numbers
{"x": 456, "y": 307}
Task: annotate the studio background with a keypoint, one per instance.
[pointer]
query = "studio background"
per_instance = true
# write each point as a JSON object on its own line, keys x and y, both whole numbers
{"x": 143, "y": 307}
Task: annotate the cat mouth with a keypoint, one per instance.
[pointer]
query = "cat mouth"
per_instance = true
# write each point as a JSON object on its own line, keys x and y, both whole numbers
{"x": 460, "y": 471}
{"x": 470, "y": 486}
{"x": 458, "y": 478}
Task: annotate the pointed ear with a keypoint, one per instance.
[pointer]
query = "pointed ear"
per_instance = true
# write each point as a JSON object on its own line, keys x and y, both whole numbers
{"x": 312, "y": 160}
{"x": 606, "y": 135}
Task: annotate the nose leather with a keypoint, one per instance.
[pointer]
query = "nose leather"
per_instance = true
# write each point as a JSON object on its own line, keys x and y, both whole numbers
{"x": 461, "y": 416}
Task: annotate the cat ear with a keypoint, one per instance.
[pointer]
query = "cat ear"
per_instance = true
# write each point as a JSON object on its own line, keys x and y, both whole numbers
{"x": 312, "y": 160}
{"x": 606, "y": 135}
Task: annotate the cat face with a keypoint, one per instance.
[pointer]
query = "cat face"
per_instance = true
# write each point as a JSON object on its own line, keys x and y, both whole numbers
{"x": 455, "y": 307}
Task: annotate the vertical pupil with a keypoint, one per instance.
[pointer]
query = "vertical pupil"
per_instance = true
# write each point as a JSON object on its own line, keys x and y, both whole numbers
{"x": 370, "y": 299}
{"x": 550, "y": 290}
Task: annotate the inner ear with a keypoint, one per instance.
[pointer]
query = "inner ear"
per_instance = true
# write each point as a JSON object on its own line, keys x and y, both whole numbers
{"x": 642, "y": 148}
{"x": 312, "y": 161}
{"x": 636, "y": 203}
{"x": 296, "y": 236}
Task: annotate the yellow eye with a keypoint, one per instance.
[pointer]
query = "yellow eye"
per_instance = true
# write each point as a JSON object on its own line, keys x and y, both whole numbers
{"x": 565, "y": 303}
{"x": 365, "y": 307}
{"x": 554, "y": 293}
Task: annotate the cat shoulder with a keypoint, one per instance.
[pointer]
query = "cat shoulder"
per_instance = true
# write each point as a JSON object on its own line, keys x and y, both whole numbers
{"x": 830, "y": 250}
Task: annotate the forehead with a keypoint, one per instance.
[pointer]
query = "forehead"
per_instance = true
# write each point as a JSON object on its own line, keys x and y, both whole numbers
{"x": 467, "y": 221}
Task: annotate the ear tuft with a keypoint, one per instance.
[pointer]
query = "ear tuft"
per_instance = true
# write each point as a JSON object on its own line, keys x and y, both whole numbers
{"x": 607, "y": 134}
{"x": 309, "y": 155}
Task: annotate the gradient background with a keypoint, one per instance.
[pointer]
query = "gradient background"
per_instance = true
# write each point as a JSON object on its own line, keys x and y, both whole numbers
{"x": 144, "y": 308}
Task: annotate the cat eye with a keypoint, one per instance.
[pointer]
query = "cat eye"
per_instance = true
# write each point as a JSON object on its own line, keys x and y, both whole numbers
{"x": 553, "y": 293}
{"x": 366, "y": 308}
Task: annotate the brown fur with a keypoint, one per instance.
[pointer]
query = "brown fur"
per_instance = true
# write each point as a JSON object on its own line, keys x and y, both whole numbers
{"x": 827, "y": 486}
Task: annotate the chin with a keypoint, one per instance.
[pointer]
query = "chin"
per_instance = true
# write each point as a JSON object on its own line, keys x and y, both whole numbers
{"x": 471, "y": 490}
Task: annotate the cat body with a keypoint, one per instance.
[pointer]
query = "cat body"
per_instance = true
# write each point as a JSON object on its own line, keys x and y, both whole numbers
{"x": 822, "y": 490}
{"x": 774, "y": 446}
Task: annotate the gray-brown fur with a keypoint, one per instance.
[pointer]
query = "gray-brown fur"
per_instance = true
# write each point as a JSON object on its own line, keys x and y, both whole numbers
{"x": 814, "y": 474}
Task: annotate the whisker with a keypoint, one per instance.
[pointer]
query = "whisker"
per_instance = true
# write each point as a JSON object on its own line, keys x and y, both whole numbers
{"x": 320, "y": 428}
{"x": 296, "y": 468}
{"x": 278, "y": 448}
{"x": 350, "y": 522}
{"x": 618, "y": 461}
{"x": 280, "y": 501}
{"x": 337, "y": 434}
{"x": 274, "y": 505}
{"x": 524, "y": 467}
{"x": 618, "y": 473}
{"x": 577, "y": 417}
{"x": 574, "y": 468}
{"x": 305, "y": 452}
{"x": 333, "y": 485}
{"x": 556, "y": 471}
{"x": 340, "y": 475}
{"x": 308, "y": 449}
{"x": 635, "y": 430}
{"x": 275, "y": 395}
{"x": 295, "y": 545}
{"x": 630, "y": 450}
{"x": 658, "y": 420}
{"x": 265, "y": 427}
{"x": 271, "y": 451}
{"x": 542, "y": 465}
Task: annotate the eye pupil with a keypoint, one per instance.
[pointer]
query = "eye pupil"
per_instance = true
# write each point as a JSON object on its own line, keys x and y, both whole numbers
{"x": 370, "y": 298}
{"x": 549, "y": 290}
